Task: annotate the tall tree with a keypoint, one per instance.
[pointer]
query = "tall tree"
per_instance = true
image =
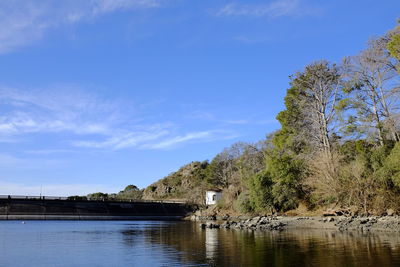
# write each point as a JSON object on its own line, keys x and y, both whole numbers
{"x": 373, "y": 91}
{"x": 319, "y": 92}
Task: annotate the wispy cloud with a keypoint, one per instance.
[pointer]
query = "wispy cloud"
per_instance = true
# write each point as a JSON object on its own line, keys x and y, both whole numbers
{"x": 26, "y": 21}
{"x": 192, "y": 137}
{"x": 174, "y": 141}
{"x": 75, "y": 119}
{"x": 274, "y": 9}
{"x": 131, "y": 139}
{"x": 57, "y": 110}
{"x": 107, "y": 6}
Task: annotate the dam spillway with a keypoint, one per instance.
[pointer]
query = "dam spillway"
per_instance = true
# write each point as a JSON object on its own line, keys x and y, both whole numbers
{"x": 63, "y": 209}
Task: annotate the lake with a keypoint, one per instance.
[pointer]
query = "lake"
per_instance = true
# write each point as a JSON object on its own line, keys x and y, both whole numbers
{"x": 179, "y": 243}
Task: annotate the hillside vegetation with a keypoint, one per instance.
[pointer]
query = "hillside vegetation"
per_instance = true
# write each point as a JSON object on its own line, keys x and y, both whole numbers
{"x": 188, "y": 183}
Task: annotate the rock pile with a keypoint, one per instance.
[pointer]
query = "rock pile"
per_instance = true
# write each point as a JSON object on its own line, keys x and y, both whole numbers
{"x": 341, "y": 223}
{"x": 256, "y": 223}
{"x": 210, "y": 225}
{"x": 366, "y": 224}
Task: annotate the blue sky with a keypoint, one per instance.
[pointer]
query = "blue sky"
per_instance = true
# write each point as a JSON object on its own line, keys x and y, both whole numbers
{"x": 99, "y": 94}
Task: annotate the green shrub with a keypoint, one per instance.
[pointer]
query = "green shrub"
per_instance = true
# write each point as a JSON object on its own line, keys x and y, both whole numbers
{"x": 243, "y": 203}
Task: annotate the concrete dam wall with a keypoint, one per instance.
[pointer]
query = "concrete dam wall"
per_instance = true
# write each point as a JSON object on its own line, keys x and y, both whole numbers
{"x": 43, "y": 209}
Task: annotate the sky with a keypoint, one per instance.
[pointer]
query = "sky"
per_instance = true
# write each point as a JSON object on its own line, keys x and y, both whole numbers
{"x": 99, "y": 94}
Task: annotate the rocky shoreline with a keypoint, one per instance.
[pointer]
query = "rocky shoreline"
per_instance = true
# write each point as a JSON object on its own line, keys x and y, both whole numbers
{"x": 279, "y": 223}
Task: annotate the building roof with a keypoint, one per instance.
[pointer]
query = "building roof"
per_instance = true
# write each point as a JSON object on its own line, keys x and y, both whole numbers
{"x": 214, "y": 190}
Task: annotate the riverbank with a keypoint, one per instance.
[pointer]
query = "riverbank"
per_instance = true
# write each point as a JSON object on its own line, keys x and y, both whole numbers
{"x": 340, "y": 223}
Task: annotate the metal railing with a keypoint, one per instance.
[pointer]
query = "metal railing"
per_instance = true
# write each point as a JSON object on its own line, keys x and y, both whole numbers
{"x": 32, "y": 197}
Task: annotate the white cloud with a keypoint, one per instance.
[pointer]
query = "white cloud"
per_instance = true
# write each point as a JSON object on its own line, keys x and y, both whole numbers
{"x": 279, "y": 8}
{"x": 25, "y": 21}
{"x": 74, "y": 119}
{"x": 106, "y": 6}
{"x": 7, "y": 188}
{"x": 202, "y": 136}
{"x": 132, "y": 139}
{"x": 57, "y": 110}
{"x": 163, "y": 139}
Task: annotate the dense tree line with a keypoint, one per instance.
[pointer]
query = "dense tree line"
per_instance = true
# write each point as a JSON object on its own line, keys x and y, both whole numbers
{"x": 339, "y": 139}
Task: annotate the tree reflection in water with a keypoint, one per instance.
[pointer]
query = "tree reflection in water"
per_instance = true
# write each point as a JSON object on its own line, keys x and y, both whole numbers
{"x": 187, "y": 244}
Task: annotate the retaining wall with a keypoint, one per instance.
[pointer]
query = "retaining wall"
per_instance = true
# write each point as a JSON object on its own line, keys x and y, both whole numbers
{"x": 42, "y": 209}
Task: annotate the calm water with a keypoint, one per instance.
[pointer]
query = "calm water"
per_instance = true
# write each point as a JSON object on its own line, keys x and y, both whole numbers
{"x": 145, "y": 243}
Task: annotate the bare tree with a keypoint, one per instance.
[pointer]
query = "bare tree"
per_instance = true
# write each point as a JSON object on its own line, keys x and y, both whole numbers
{"x": 319, "y": 90}
{"x": 234, "y": 164}
{"x": 374, "y": 89}
{"x": 224, "y": 167}
{"x": 252, "y": 159}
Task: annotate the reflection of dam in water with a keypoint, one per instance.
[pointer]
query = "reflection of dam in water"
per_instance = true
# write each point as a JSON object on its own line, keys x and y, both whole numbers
{"x": 12, "y": 208}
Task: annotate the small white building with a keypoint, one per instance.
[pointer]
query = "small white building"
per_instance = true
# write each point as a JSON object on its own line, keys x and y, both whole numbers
{"x": 213, "y": 196}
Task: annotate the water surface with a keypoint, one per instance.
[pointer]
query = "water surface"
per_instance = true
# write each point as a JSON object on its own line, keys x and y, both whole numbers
{"x": 158, "y": 243}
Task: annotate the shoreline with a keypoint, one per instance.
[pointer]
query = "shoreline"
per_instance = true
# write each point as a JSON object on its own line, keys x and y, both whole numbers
{"x": 362, "y": 224}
